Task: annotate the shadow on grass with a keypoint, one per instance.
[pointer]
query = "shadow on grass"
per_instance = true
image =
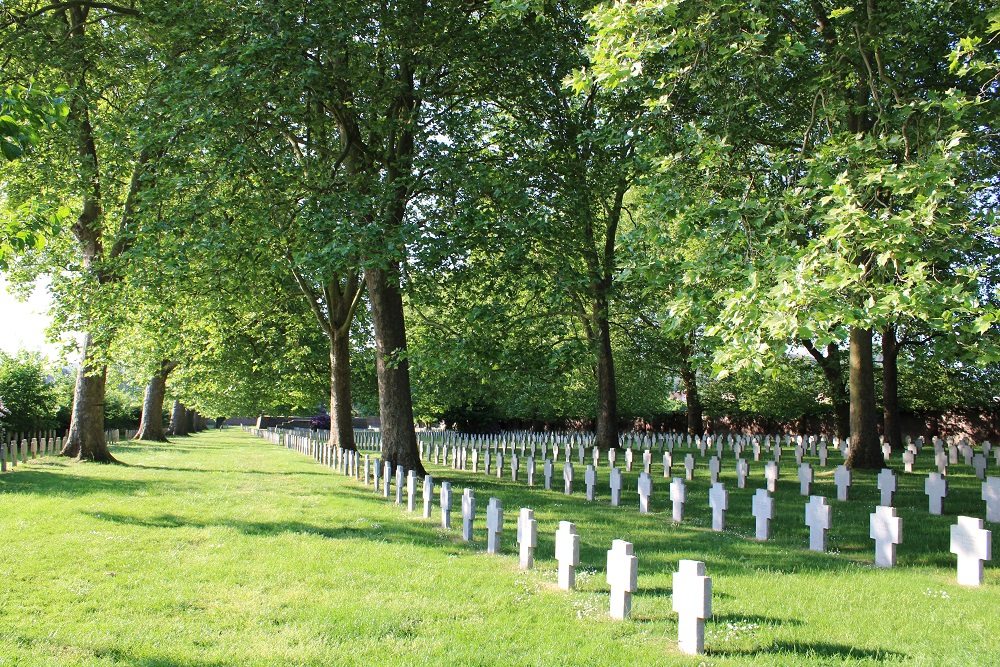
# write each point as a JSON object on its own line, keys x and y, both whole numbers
{"x": 51, "y": 483}
{"x": 380, "y": 533}
{"x": 840, "y": 652}
{"x": 231, "y": 471}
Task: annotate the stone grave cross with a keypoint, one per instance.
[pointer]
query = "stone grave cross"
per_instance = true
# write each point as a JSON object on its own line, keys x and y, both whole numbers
{"x": 763, "y": 512}
{"x": 527, "y": 537}
{"x": 887, "y": 530}
{"x": 718, "y": 500}
{"x": 645, "y": 491}
{"x": 567, "y": 554}
{"x": 818, "y": 515}
{"x": 623, "y": 575}
{"x": 494, "y": 525}
{"x": 692, "y": 601}
{"x": 972, "y": 544}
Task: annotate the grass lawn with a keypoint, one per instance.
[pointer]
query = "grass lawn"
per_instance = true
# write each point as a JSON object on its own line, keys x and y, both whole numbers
{"x": 221, "y": 549}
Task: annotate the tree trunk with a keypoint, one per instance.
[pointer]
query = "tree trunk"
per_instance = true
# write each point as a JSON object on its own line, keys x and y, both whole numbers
{"x": 151, "y": 424}
{"x": 192, "y": 421}
{"x": 607, "y": 387}
{"x": 695, "y": 413}
{"x": 85, "y": 440}
{"x": 890, "y": 389}
{"x": 829, "y": 363}
{"x": 178, "y": 419}
{"x": 220, "y": 422}
{"x": 399, "y": 439}
{"x": 341, "y": 416}
{"x": 864, "y": 451}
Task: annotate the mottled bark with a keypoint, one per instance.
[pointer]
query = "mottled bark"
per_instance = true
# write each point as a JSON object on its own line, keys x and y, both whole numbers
{"x": 607, "y": 387}
{"x": 151, "y": 423}
{"x": 865, "y": 451}
{"x": 890, "y": 389}
{"x": 399, "y": 439}
{"x": 85, "y": 439}
{"x": 695, "y": 412}
{"x": 178, "y": 419}
{"x": 341, "y": 415}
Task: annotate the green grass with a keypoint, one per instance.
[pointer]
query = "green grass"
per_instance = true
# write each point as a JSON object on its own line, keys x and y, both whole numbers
{"x": 220, "y": 549}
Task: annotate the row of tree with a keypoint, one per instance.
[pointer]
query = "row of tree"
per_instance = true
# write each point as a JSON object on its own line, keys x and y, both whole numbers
{"x": 526, "y": 188}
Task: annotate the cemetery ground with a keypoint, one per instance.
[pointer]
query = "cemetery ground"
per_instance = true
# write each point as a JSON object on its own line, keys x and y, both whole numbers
{"x": 220, "y": 549}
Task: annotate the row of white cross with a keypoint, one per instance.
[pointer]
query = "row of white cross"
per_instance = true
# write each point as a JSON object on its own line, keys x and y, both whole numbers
{"x": 692, "y": 590}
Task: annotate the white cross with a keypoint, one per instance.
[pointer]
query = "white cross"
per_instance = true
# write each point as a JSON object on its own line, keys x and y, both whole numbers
{"x": 805, "y": 478}
{"x": 445, "y": 502}
{"x": 596, "y": 455}
{"x": 568, "y": 478}
{"x": 494, "y": 525}
{"x": 567, "y": 554}
{"x": 936, "y": 488}
{"x": 887, "y": 486}
{"x": 763, "y": 511}
{"x": 428, "y": 495}
{"x": 468, "y": 513}
{"x": 713, "y": 469}
{"x": 623, "y": 575}
{"x": 499, "y": 465}
{"x": 647, "y": 461}
{"x": 547, "y": 472}
{"x": 908, "y": 459}
{"x": 531, "y": 470}
{"x": 941, "y": 461}
{"x": 972, "y": 544}
{"x": 387, "y": 479}
{"x": 590, "y": 478}
{"x": 887, "y": 530}
{"x": 527, "y": 537}
{"x": 991, "y": 494}
{"x": 718, "y": 500}
{"x": 979, "y": 465}
{"x": 581, "y": 453}
{"x": 771, "y": 475}
{"x": 376, "y": 474}
{"x": 886, "y": 452}
{"x": 824, "y": 453}
{"x": 400, "y": 474}
{"x": 628, "y": 460}
{"x": 692, "y": 601}
{"x": 798, "y": 454}
{"x": 818, "y": 519}
{"x": 645, "y": 491}
{"x": 756, "y": 451}
{"x": 668, "y": 463}
{"x": 487, "y": 463}
{"x": 612, "y": 456}
{"x": 689, "y": 466}
{"x": 678, "y": 496}
{"x": 411, "y": 490}
{"x": 616, "y": 486}
{"x": 742, "y": 470}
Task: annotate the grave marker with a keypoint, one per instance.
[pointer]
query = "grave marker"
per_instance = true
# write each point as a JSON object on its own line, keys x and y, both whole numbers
{"x": 445, "y": 502}
{"x": 718, "y": 500}
{"x": 805, "y": 478}
{"x": 568, "y": 554}
{"x": 623, "y": 575}
{"x": 991, "y": 494}
{"x": 468, "y": 513}
{"x": 494, "y": 525}
{"x": 973, "y": 545}
{"x": 428, "y": 495}
{"x": 887, "y": 530}
{"x": 678, "y": 496}
{"x": 887, "y": 486}
{"x": 527, "y": 537}
{"x": 713, "y": 469}
{"x": 668, "y": 463}
{"x": 590, "y": 477}
{"x": 771, "y": 475}
{"x": 742, "y": 470}
{"x": 547, "y": 471}
{"x": 762, "y": 507}
{"x": 936, "y": 488}
{"x": 645, "y": 491}
{"x": 689, "y": 467}
{"x": 692, "y": 601}
{"x": 568, "y": 478}
{"x": 818, "y": 515}
{"x": 842, "y": 478}
{"x": 616, "y": 487}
